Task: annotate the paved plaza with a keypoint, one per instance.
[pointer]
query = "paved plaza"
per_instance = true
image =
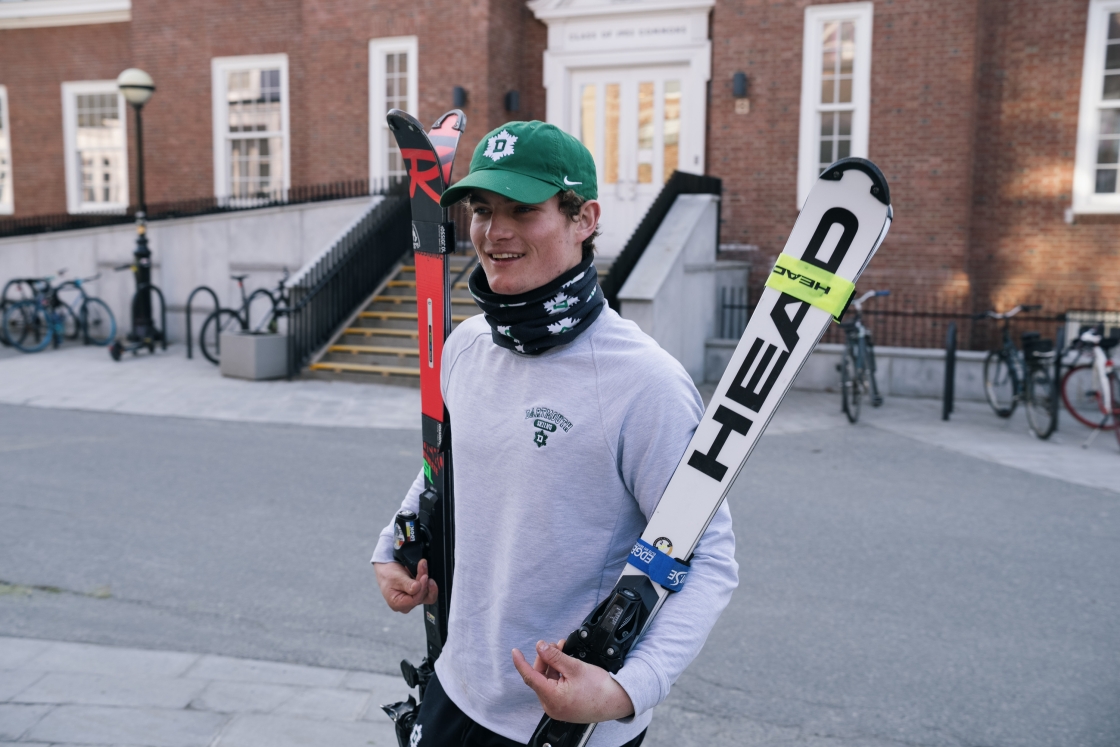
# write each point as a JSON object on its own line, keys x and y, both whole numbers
{"x": 184, "y": 561}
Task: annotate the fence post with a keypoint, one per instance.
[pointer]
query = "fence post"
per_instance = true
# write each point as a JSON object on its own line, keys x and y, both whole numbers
{"x": 1056, "y": 381}
{"x": 950, "y": 370}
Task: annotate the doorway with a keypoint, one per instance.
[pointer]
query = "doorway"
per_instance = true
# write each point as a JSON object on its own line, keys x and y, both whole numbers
{"x": 631, "y": 121}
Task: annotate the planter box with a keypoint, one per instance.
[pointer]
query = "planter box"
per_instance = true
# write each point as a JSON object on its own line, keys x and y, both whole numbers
{"x": 254, "y": 356}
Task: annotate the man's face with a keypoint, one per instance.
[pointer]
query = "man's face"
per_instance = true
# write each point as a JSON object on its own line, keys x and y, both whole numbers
{"x": 522, "y": 247}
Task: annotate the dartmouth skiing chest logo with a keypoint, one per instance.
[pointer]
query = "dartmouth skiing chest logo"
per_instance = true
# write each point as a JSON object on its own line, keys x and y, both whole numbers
{"x": 546, "y": 422}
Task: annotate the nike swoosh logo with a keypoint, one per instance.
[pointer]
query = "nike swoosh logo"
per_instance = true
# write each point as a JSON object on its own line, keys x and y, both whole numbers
{"x": 570, "y": 184}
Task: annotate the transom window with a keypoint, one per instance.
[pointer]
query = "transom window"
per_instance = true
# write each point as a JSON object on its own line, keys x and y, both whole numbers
{"x": 96, "y": 146}
{"x": 1096, "y": 186}
{"x": 393, "y": 85}
{"x": 7, "y": 202}
{"x": 251, "y": 127}
{"x": 835, "y": 88}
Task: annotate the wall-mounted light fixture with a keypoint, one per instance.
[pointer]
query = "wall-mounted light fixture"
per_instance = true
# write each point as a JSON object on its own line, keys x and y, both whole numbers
{"x": 458, "y": 97}
{"x": 513, "y": 101}
{"x": 740, "y": 90}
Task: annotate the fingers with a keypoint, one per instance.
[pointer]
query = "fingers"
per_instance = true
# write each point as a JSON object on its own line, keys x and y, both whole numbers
{"x": 402, "y": 592}
{"x": 433, "y": 593}
{"x": 534, "y": 679}
{"x": 556, "y": 659}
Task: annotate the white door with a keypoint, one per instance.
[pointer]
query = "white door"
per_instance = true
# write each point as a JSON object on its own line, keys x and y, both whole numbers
{"x": 630, "y": 120}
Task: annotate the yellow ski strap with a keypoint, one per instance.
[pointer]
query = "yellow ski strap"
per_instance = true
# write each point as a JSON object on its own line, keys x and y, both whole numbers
{"x": 811, "y": 284}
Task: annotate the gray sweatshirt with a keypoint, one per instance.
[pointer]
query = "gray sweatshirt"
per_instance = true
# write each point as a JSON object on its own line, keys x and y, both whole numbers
{"x": 559, "y": 460}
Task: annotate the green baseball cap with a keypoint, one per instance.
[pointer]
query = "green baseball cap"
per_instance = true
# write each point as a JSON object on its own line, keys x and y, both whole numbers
{"x": 528, "y": 162}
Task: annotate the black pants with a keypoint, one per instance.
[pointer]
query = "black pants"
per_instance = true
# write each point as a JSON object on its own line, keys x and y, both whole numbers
{"x": 442, "y": 724}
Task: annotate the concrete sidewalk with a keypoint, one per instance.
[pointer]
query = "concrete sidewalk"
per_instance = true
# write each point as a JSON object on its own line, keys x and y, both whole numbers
{"x": 85, "y": 378}
{"x": 62, "y": 694}
{"x": 167, "y": 383}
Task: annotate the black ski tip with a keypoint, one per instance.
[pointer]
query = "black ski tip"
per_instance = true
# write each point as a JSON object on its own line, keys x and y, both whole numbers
{"x": 879, "y": 188}
{"x": 397, "y": 119}
{"x": 460, "y": 124}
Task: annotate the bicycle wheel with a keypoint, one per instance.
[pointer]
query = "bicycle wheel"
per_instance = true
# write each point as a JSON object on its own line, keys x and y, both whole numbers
{"x": 1081, "y": 396}
{"x": 70, "y": 324}
{"x": 6, "y": 334}
{"x": 1042, "y": 411}
{"x": 27, "y": 326}
{"x": 98, "y": 322}
{"x": 999, "y": 383}
{"x": 849, "y": 386}
{"x": 209, "y": 339}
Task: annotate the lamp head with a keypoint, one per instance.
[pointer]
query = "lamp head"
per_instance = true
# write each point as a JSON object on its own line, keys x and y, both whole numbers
{"x": 136, "y": 86}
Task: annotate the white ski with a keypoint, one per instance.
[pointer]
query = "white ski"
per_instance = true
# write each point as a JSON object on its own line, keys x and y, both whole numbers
{"x": 844, "y": 220}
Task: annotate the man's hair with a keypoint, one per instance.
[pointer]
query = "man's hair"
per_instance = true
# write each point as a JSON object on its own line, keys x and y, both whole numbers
{"x": 570, "y": 205}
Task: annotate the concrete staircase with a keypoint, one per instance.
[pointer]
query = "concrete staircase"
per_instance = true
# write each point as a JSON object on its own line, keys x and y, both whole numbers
{"x": 380, "y": 342}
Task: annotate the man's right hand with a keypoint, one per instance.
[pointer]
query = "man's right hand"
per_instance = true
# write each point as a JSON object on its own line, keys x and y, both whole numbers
{"x": 402, "y": 592}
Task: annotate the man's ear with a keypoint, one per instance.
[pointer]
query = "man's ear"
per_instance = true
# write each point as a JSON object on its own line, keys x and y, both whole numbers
{"x": 589, "y": 213}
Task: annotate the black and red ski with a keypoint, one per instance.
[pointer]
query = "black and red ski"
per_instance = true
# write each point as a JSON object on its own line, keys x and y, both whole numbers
{"x": 430, "y": 533}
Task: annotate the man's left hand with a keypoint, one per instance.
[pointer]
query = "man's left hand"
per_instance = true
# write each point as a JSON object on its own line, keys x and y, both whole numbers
{"x": 571, "y": 690}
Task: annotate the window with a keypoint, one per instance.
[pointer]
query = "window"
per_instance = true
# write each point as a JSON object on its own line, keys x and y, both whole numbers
{"x": 835, "y": 88}
{"x": 251, "y": 141}
{"x": 7, "y": 204}
{"x": 1096, "y": 188}
{"x": 393, "y": 84}
{"x": 93, "y": 129}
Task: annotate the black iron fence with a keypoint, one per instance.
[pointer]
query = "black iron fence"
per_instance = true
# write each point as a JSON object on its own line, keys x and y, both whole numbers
{"x": 923, "y": 322}
{"x": 733, "y": 312}
{"x": 679, "y": 183}
{"x": 202, "y": 206}
{"x": 345, "y": 276}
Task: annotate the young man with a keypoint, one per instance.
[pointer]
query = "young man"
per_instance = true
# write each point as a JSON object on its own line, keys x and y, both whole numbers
{"x": 568, "y": 422}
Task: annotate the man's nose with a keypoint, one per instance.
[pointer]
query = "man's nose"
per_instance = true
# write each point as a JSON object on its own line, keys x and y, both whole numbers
{"x": 500, "y": 228}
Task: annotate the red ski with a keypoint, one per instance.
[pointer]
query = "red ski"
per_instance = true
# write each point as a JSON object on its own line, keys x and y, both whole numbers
{"x": 430, "y": 533}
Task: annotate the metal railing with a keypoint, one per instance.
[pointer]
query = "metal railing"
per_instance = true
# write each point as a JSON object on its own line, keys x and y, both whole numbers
{"x": 733, "y": 312}
{"x": 326, "y": 295}
{"x": 339, "y": 190}
{"x": 679, "y": 183}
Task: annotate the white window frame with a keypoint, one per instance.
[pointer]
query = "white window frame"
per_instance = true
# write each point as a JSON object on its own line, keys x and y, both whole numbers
{"x": 7, "y": 208}
{"x": 1085, "y": 199}
{"x": 808, "y": 156}
{"x": 70, "y": 92}
{"x": 378, "y": 130}
{"x": 219, "y": 66}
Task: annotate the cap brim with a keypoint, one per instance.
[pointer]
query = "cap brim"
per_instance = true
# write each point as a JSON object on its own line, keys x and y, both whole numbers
{"x": 509, "y": 184}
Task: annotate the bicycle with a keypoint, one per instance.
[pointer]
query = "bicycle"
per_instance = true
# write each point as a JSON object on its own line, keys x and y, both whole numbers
{"x": 93, "y": 318}
{"x": 225, "y": 319}
{"x": 27, "y": 290}
{"x": 1091, "y": 391}
{"x": 857, "y": 365}
{"x": 1011, "y": 376}
{"x": 34, "y": 323}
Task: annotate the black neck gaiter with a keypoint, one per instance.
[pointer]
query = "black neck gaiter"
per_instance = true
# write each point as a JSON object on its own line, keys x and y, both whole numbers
{"x": 534, "y": 321}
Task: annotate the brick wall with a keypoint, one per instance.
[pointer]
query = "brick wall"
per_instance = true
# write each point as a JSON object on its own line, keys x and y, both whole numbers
{"x": 33, "y": 65}
{"x": 973, "y": 118}
{"x": 922, "y": 82}
{"x": 487, "y": 46}
{"x": 1023, "y": 251}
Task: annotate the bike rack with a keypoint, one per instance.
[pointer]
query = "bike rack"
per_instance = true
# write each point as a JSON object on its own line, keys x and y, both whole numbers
{"x": 160, "y": 333}
{"x": 190, "y": 298}
{"x": 950, "y": 370}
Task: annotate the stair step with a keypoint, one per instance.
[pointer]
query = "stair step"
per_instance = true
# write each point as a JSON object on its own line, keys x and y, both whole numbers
{"x": 373, "y": 350}
{"x": 387, "y": 331}
{"x": 364, "y": 368}
{"x": 405, "y": 315}
{"x": 412, "y": 299}
{"x": 412, "y": 284}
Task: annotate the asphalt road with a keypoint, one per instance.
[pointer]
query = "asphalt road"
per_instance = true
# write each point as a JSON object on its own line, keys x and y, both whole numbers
{"x": 891, "y": 592}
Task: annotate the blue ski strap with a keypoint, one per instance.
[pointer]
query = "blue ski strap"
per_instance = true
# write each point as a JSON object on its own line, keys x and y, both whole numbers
{"x": 662, "y": 569}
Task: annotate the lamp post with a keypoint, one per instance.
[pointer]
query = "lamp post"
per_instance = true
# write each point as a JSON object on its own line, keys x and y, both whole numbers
{"x": 137, "y": 87}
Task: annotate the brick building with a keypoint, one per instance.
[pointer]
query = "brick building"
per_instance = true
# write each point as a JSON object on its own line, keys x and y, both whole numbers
{"x": 992, "y": 119}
